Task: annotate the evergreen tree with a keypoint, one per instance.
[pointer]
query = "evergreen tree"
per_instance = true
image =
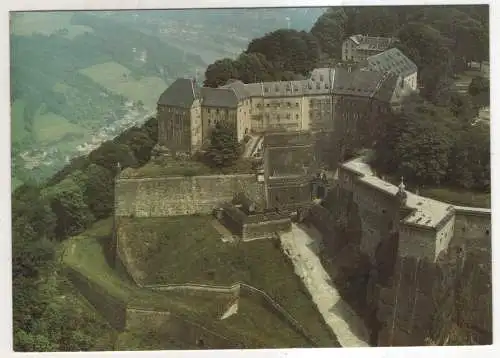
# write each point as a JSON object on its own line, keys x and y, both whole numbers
{"x": 224, "y": 148}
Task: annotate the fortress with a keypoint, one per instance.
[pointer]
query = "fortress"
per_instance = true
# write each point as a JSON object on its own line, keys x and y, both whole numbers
{"x": 291, "y": 116}
{"x": 329, "y": 99}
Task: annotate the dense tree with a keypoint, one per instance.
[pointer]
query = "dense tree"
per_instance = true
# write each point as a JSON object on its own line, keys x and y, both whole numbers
{"x": 68, "y": 203}
{"x": 109, "y": 154}
{"x": 98, "y": 191}
{"x": 139, "y": 143}
{"x": 330, "y": 31}
{"x": 224, "y": 148}
{"x": 470, "y": 159}
{"x": 479, "y": 89}
{"x": 415, "y": 144}
{"x": 219, "y": 72}
{"x": 296, "y": 51}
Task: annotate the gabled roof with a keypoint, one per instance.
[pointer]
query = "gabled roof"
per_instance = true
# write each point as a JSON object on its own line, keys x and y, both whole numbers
{"x": 374, "y": 43}
{"x": 387, "y": 87}
{"x": 392, "y": 60}
{"x": 238, "y": 87}
{"x": 218, "y": 97}
{"x": 357, "y": 82}
{"x": 181, "y": 93}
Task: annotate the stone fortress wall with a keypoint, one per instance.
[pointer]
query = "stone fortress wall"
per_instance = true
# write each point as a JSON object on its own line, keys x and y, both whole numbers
{"x": 170, "y": 196}
{"x": 404, "y": 301}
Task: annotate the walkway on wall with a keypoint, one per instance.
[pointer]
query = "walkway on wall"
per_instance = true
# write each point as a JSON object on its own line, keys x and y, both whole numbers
{"x": 302, "y": 247}
{"x": 252, "y": 145}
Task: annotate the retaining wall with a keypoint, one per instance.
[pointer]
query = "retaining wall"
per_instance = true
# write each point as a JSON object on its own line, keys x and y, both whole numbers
{"x": 113, "y": 309}
{"x": 161, "y": 197}
{"x": 243, "y": 290}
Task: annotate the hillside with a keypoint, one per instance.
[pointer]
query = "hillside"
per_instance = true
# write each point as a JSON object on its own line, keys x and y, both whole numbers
{"x": 78, "y": 78}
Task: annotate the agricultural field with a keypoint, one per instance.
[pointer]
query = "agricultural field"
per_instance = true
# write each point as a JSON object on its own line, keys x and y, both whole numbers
{"x": 50, "y": 127}
{"x": 120, "y": 80}
{"x": 46, "y": 23}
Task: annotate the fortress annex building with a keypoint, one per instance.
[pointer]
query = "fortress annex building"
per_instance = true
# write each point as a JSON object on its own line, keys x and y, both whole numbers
{"x": 329, "y": 99}
{"x": 359, "y": 47}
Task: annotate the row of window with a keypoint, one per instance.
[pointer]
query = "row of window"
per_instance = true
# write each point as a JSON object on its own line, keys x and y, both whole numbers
{"x": 278, "y": 116}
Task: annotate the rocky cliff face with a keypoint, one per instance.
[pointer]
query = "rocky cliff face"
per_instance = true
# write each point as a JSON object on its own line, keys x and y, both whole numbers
{"x": 403, "y": 300}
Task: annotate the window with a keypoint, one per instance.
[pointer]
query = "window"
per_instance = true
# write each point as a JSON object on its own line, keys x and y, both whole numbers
{"x": 296, "y": 104}
{"x": 296, "y": 116}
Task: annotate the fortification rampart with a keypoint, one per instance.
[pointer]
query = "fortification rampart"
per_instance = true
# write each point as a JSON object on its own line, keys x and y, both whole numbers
{"x": 179, "y": 328}
{"x": 472, "y": 227}
{"x": 242, "y": 290}
{"x": 171, "y": 196}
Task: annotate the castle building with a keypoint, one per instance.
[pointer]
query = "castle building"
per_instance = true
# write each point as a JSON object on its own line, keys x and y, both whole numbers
{"x": 395, "y": 62}
{"x": 346, "y": 100}
{"x": 425, "y": 226}
{"x": 357, "y": 48}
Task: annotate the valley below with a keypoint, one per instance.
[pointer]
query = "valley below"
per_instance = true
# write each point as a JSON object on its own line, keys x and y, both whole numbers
{"x": 81, "y": 78}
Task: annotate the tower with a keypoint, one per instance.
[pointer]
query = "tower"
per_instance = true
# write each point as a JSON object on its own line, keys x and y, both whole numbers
{"x": 401, "y": 194}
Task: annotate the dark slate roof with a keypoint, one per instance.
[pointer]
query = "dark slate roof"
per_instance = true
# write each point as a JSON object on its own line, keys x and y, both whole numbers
{"x": 386, "y": 89}
{"x": 357, "y": 82}
{"x": 218, "y": 97}
{"x": 181, "y": 93}
{"x": 393, "y": 61}
{"x": 239, "y": 89}
{"x": 372, "y": 43}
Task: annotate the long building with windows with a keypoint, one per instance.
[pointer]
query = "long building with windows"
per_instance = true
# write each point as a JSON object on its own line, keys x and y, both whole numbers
{"x": 341, "y": 99}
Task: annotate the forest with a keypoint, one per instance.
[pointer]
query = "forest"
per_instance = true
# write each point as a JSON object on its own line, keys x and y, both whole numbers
{"x": 45, "y": 214}
{"x": 433, "y": 142}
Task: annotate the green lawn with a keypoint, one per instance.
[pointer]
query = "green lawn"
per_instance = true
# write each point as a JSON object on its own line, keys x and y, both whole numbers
{"x": 187, "y": 249}
{"x": 119, "y": 80}
{"x": 254, "y": 325}
{"x": 46, "y": 23}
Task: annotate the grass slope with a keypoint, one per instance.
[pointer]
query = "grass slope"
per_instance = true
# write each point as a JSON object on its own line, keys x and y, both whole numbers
{"x": 119, "y": 79}
{"x": 188, "y": 249}
{"x": 51, "y": 128}
{"x": 254, "y": 326}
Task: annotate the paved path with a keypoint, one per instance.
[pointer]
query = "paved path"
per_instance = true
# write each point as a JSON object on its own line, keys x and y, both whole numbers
{"x": 301, "y": 245}
{"x": 250, "y": 146}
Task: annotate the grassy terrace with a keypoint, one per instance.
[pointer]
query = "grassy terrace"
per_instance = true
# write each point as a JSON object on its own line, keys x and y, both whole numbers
{"x": 458, "y": 197}
{"x": 162, "y": 167}
{"x": 254, "y": 325}
{"x": 450, "y": 195}
{"x": 188, "y": 249}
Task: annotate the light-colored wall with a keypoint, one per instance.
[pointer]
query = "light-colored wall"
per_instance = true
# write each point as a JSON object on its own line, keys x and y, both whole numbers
{"x": 416, "y": 242}
{"x": 161, "y": 197}
{"x": 444, "y": 236}
{"x": 196, "y": 126}
{"x": 243, "y": 118}
{"x": 472, "y": 227}
{"x": 411, "y": 81}
{"x": 348, "y": 49}
{"x": 212, "y": 115}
